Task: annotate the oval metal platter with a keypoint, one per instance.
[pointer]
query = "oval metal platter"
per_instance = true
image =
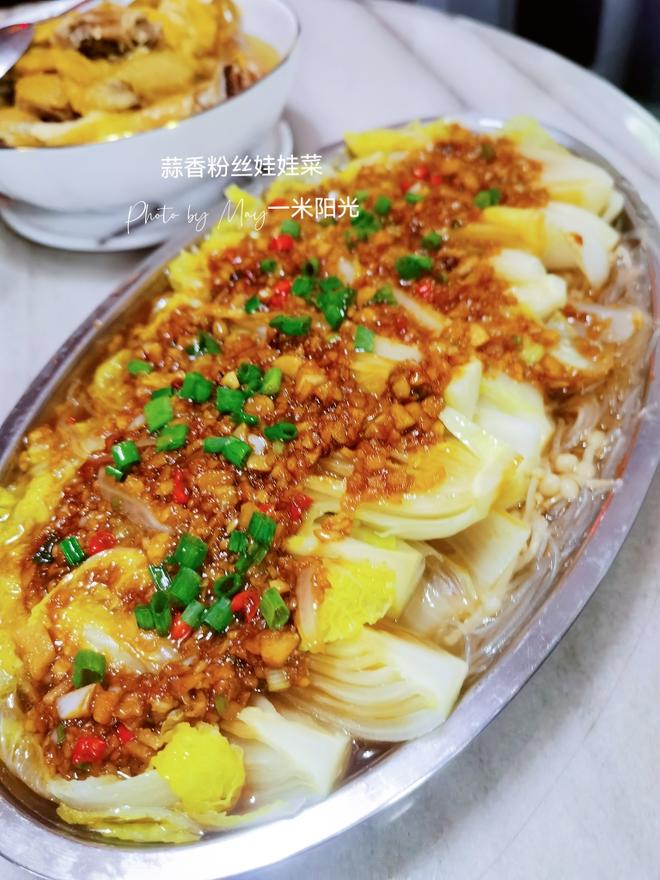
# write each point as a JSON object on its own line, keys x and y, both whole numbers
{"x": 32, "y": 836}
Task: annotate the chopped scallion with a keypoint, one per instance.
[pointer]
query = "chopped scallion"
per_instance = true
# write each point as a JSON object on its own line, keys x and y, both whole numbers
{"x": 413, "y": 266}
{"x": 228, "y": 585}
{"x": 168, "y": 391}
{"x": 272, "y": 381}
{"x": 160, "y": 609}
{"x": 125, "y": 455}
{"x": 204, "y": 344}
{"x": 158, "y": 412}
{"x": 185, "y": 587}
{"x": 193, "y": 613}
{"x": 303, "y": 286}
{"x": 73, "y": 552}
{"x": 281, "y": 431}
{"x": 262, "y": 528}
{"x": 365, "y": 339}
{"x": 432, "y": 240}
{"x": 88, "y": 667}
{"x": 252, "y": 305}
{"x": 486, "y": 198}
{"x": 330, "y": 284}
{"x": 291, "y": 325}
{"x": 268, "y": 266}
{"x": 365, "y": 224}
{"x": 249, "y": 377}
{"x": 238, "y": 542}
{"x": 219, "y": 615}
{"x": 135, "y": 367}
{"x": 144, "y": 617}
{"x": 334, "y": 302}
{"x": 196, "y": 388}
{"x": 273, "y": 609}
{"x": 244, "y": 418}
{"x": 172, "y": 437}
{"x": 235, "y": 450}
{"x": 384, "y": 296}
{"x": 191, "y": 551}
{"x": 382, "y": 205}
{"x": 229, "y": 400}
{"x": 291, "y": 227}
{"x": 115, "y": 472}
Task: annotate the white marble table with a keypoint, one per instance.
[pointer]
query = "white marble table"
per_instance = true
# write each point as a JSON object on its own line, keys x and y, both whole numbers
{"x": 564, "y": 783}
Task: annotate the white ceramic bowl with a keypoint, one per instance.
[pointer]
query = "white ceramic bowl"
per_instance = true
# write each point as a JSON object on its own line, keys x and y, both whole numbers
{"x": 116, "y": 174}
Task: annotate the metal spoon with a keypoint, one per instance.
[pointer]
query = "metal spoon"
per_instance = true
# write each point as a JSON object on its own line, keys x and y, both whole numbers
{"x": 14, "y": 41}
{"x": 32, "y": 13}
{"x": 16, "y": 25}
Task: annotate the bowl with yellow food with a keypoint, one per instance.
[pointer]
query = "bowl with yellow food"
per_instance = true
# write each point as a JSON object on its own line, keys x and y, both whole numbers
{"x": 108, "y": 97}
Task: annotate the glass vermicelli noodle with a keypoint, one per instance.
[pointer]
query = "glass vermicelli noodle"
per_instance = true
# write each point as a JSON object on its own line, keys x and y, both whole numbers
{"x": 327, "y": 473}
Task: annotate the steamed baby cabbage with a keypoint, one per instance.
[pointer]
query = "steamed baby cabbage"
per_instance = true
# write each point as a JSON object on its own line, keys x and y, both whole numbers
{"x": 373, "y": 572}
{"x": 308, "y": 754}
{"x": 383, "y": 687}
{"x": 538, "y": 292}
{"x": 453, "y": 485}
{"x": 488, "y": 550}
{"x": 386, "y": 140}
{"x": 135, "y": 824}
{"x": 562, "y": 235}
{"x": 85, "y": 610}
{"x": 201, "y": 767}
{"x": 10, "y": 665}
{"x": 360, "y": 592}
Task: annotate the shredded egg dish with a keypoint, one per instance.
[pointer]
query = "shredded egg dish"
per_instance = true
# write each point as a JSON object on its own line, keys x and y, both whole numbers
{"x": 273, "y": 526}
{"x": 114, "y": 71}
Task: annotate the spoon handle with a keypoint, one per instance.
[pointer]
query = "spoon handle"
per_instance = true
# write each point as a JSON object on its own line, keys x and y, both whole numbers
{"x": 32, "y": 13}
{"x": 14, "y": 42}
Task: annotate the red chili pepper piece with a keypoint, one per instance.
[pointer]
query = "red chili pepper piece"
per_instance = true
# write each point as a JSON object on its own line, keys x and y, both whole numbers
{"x": 278, "y": 203}
{"x": 124, "y": 734}
{"x": 298, "y": 504}
{"x": 277, "y": 300}
{"x": 180, "y": 629}
{"x": 180, "y": 492}
{"x": 89, "y": 750}
{"x": 282, "y": 286}
{"x": 103, "y": 539}
{"x": 246, "y": 603}
{"x": 425, "y": 289}
{"x": 266, "y": 508}
{"x": 280, "y": 293}
{"x": 436, "y": 179}
{"x": 421, "y": 172}
{"x": 281, "y": 243}
{"x": 405, "y": 186}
